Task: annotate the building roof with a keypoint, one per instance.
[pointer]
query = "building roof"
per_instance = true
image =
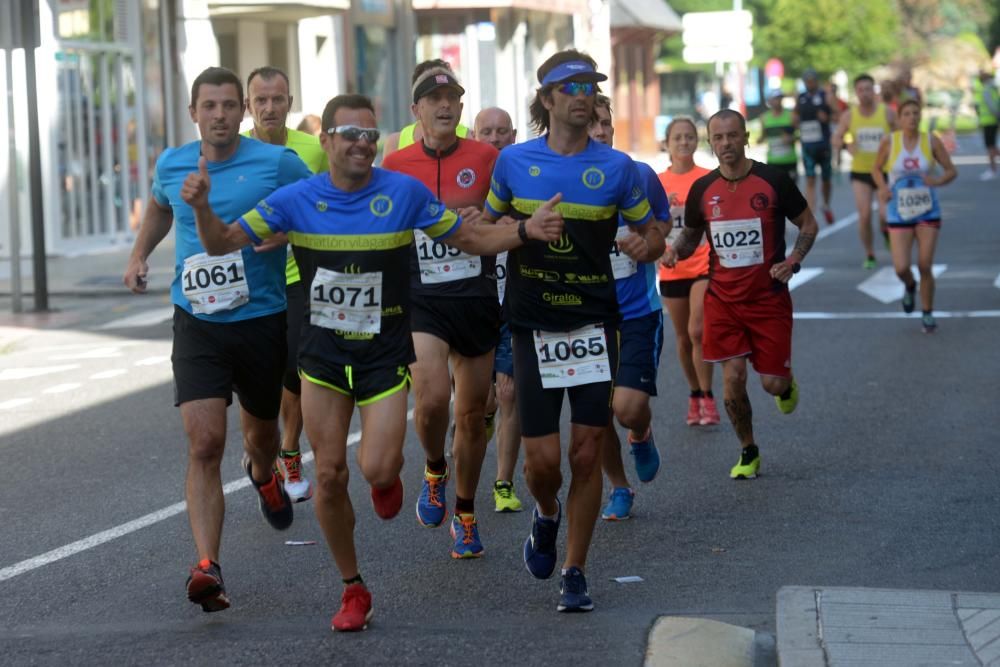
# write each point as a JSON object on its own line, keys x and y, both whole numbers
{"x": 654, "y": 14}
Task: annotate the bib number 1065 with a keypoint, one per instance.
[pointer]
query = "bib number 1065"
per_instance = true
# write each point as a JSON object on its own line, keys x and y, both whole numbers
{"x": 578, "y": 348}
{"x": 572, "y": 358}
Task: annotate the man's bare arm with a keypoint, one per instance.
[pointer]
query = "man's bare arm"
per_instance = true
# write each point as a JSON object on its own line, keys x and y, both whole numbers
{"x": 688, "y": 242}
{"x": 156, "y": 224}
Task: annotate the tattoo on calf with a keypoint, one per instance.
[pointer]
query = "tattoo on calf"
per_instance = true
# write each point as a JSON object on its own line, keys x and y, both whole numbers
{"x": 741, "y": 415}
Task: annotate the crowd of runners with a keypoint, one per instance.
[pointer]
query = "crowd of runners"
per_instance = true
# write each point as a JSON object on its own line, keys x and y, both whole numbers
{"x": 492, "y": 276}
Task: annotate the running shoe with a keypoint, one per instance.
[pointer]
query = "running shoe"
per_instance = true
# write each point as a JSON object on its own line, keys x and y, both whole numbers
{"x": 431, "y": 505}
{"x": 491, "y": 425}
{"x": 788, "y": 405}
{"x": 694, "y": 411}
{"x": 619, "y": 507}
{"x": 298, "y": 488}
{"x": 646, "y": 456}
{"x": 869, "y": 264}
{"x": 828, "y": 215}
{"x": 748, "y": 467}
{"x": 540, "y": 547}
{"x": 465, "y": 532}
{"x": 908, "y": 300}
{"x": 355, "y": 609}
{"x": 709, "y": 413}
{"x": 573, "y": 596}
{"x": 987, "y": 175}
{"x": 205, "y": 587}
{"x": 929, "y": 323}
{"x": 388, "y": 501}
{"x": 504, "y": 498}
{"x": 274, "y": 503}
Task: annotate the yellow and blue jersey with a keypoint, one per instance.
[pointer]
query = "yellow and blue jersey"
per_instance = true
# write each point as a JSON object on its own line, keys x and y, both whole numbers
{"x": 637, "y": 294}
{"x": 563, "y": 285}
{"x": 254, "y": 171}
{"x": 367, "y": 231}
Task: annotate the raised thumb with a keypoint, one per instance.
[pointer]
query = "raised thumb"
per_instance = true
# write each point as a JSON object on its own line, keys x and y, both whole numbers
{"x": 551, "y": 204}
{"x": 203, "y": 167}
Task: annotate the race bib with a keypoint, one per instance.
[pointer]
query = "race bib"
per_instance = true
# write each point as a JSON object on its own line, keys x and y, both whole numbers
{"x": 810, "y": 131}
{"x": 738, "y": 243}
{"x": 572, "y": 358}
{"x": 779, "y": 148}
{"x": 501, "y": 271}
{"x": 911, "y": 203}
{"x": 346, "y": 301}
{"x": 213, "y": 284}
{"x": 869, "y": 139}
{"x": 622, "y": 266}
{"x": 440, "y": 263}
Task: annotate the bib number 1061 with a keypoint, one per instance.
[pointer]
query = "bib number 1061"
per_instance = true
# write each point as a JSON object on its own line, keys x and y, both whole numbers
{"x": 203, "y": 277}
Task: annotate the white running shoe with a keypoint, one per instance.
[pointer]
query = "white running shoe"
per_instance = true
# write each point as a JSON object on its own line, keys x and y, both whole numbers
{"x": 297, "y": 487}
{"x": 987, "y": 175}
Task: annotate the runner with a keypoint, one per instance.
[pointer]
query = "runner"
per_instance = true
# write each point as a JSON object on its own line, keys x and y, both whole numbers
{"x": 228, "y": 336}
{"x": 352, "y": 231}
{"x": 494, "y": 126}
{"x": 867, "y": 124}
{"x": 414, "y": 132}
{"x": 269, "y": 102}
{"x": 640, "y": 341}
{"x": 987, "y": 100}
{"x": 455, "y": 314}
{"x": 742, "y": 207}
{"x": 683, "y": 284}
{"x": 778, "y": 126}
{"x": 562, "y": 305}
{"x": 908, "y": 156}
{"x": 812, "y": 119}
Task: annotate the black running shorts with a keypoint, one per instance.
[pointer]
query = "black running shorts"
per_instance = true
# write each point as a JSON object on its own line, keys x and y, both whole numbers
{"x": 470, "y": 326}
{"x": 295, "y": 295}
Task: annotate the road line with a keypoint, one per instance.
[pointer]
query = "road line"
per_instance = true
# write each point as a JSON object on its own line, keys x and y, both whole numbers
{"x": 152, "y": 361}
{"x": 803, "y": 276}
{"x": 996, "y": 283}
{"x": 897, "y": 315}
{"x": 837, "y": 226}
{"x": 144, "y": 319}
{"x": 62, "y": 388}
{"x": 885, "y": 286}
{"x": 25, "y": 373}
{"x": 105, "y": 375}
{"x": 124, "y": 529}
{"x": 15, "y": 403}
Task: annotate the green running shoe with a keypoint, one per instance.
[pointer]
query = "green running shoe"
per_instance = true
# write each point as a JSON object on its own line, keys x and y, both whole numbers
{"x": 504, "y": 498}
{"x": 749, "y": 464}
{"x": 869, "y": 263}
{"x": 787, "y": 406}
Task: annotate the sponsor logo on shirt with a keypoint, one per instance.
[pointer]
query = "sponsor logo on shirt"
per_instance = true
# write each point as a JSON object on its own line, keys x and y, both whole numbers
{"x": 466, "y": 178}
{"x": 562, "y": 299}
{"x": 759, "y": 201}
{"x": 321, "y": 206}
{"x": 593, "y": 178}
{"x": 381, "y": 205}
{"x": 562, "y": 246}
{"x": 534, "y": 170}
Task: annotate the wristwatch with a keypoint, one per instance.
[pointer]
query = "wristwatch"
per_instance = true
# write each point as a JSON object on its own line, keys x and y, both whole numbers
{"x": 796, "y": 267}
{"x": 522, "y": 231}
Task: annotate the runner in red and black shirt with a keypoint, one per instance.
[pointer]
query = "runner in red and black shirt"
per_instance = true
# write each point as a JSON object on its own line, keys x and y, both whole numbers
{"x": 742, "y": 206}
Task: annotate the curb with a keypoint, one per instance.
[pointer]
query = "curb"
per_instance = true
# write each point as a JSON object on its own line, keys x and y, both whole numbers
{"x": 698, "y": 642}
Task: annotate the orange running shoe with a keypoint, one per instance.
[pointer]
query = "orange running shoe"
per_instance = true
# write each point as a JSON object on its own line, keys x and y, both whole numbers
{"x": 205, "y": 587}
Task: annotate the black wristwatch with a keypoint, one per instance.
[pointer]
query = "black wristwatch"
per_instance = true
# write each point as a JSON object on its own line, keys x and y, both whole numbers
{"x": 522, "y": 231}
{"x": 796, "y": 267}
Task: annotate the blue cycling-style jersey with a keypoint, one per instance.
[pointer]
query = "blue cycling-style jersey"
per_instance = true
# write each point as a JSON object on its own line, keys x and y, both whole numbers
{"x": 636, "y": 283}
{"x": 244, "y": 284}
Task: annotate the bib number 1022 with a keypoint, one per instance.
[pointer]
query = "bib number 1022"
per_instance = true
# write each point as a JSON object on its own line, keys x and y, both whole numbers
{"x": 577, "y": 349}
{"x": 349, "y": 296}
{"x": 736, "y": 239}
{"x": 204, "y": 277}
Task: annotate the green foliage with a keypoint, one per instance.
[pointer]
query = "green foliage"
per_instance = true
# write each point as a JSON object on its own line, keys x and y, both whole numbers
{"x": 828, "y": 35}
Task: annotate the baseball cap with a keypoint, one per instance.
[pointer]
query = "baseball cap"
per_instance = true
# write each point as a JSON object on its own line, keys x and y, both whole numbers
{"x": 434, "y": 78}
{"x": 809, "y": 73}
{"x": 578, "y": 70}
{"x": 775, "y": 92}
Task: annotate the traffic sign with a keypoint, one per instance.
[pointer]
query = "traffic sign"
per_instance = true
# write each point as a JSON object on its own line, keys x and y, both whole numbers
{"x": 718, "y": 36}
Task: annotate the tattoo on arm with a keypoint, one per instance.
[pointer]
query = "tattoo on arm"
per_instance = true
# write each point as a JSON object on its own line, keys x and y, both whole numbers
{"x": 741, "y": 415}
{"x": 688, "y": 242}
{"x": 804, "y": 243}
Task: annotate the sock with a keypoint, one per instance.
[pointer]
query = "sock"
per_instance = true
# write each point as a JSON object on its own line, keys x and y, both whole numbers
{"x": 547, "y": 517}
{"x": 788, "y": 393}
{"x": 289, "y": 454}
{"x": 356, "y": 579}
{"x": 697, "y": 393}
{"x": 464, "y": 505}
{"x": 911, "y": 288}
{"x": 926, "y": 312}
{"x": 501, "y": 483}
{"x": 438, "y": 467}
{"x": 708, "y": 394}
{"x": 750, "y": 451}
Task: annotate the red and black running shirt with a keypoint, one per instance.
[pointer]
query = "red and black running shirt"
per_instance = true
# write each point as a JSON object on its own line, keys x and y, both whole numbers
{"x": 459, "y": 176}
{"x": 745, "y": 228}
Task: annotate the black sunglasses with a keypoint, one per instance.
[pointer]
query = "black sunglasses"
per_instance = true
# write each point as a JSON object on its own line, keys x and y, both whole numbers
{"x": 355, "y": 133}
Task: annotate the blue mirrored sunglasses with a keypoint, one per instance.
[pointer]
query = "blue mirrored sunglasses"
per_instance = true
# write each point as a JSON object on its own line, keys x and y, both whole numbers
{"x": 355, "y": 133}
{"x": 574, "y": 88}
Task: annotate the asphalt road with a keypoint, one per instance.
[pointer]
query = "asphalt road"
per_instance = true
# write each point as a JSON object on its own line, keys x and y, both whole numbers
{"x": 884, "y": 476}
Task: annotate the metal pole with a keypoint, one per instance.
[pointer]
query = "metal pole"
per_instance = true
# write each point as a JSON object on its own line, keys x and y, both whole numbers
{"x": 35, "y": 177}
{"x": 12, "y": 188}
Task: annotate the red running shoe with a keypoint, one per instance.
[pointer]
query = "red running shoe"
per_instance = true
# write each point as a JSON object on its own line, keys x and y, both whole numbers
{"x": 355, "y": 610}
{"x": 388, "y": 501}
{"x": 828, "y": 214}
{"x": 709, "y": 413}
{"x": 205, "y": 587}
{"x": 694, "y": 412}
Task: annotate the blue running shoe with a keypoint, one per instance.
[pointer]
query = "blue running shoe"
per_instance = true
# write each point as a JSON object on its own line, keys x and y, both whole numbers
{"x": 573, "y": 594}
{"x": 646, "y": 456}
{"x": 431, "y": 505}
{"x": 540, "y": 547}
{"x": 619, "y": 507}
{"x": 465, "y": 532}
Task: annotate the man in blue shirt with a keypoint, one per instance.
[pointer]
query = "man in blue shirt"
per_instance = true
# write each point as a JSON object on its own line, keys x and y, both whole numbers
{"x": 813, "y": 116}
{"x": 229, "y": 317}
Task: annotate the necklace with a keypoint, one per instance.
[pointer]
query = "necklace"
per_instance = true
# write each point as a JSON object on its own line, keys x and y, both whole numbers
{"x": 733, "y": 183}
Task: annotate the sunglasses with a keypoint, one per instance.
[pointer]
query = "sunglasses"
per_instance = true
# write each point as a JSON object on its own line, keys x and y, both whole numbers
{"x": 355, "y": 133}
{"x": 574, "y": 88}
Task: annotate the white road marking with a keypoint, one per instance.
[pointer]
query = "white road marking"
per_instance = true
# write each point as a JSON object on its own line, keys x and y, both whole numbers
{"x": 803, "y": 276}
{"x": 96, "y": 353}
{"x": 884, "y": 286}
{"x": 62, "y": 388}
{"x": 837, "y": 226}
{"x": 25, "y": 373}
{"x": 124, "y": 529}
{"x": 152, "y": 361}
{"x": 143, "y": 319}
{"x": 996, "y": 283}
{"x": 104, "y": 375}
{"x": 896, "y": 315}
{"x": 15, "y": 403}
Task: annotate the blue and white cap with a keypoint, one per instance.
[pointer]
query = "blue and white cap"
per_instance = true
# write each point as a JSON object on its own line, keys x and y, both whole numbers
{"x": 577, "y": 70}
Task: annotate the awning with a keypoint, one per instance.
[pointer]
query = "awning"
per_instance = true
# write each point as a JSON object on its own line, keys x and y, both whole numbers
{"x": 650, "y": 14}
{"x": 580, "y": 7}
{"x": 275, "y": 10}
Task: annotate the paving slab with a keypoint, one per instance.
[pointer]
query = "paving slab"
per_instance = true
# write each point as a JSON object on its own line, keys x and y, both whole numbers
{"x": 677, "y": 641}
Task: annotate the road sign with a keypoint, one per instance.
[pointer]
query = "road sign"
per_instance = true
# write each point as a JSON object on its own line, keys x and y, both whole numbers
{"x": 731, "y": 53}
{"x": 718, "y": 36}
